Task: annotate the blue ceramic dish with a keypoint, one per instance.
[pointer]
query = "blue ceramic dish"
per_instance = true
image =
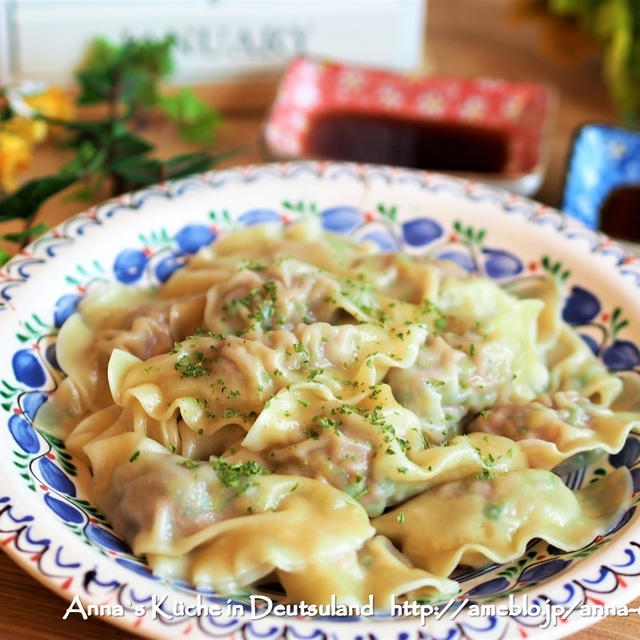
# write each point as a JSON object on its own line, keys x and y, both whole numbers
{"x": 603, "y": 158}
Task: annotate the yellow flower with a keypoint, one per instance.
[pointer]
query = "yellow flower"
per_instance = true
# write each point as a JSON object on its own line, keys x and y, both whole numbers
{"x": 14, "y": 156}
{"x": 20, "y": 132}
{"x": 54, "y": 102}
{"x": 31, "y": 130}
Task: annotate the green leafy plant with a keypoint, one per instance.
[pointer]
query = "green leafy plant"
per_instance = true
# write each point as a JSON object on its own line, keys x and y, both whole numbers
{"x": 126, "y": 81}
{"x": 614, "y": 27}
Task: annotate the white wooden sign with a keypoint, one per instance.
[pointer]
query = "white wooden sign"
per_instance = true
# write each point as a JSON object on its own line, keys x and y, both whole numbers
{"x": 216, "y": 39}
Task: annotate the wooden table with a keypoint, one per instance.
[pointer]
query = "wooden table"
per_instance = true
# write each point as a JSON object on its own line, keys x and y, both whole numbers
{"x": 464, "y": 37}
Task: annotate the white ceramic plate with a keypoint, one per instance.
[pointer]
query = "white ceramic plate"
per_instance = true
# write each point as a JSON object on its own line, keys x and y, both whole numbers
{"x": 48, "y": 526}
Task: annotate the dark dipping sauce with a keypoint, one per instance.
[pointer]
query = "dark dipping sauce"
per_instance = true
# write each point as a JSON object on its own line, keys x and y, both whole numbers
{"x": 620, "y": 213}
{"x": 419, "y": 144}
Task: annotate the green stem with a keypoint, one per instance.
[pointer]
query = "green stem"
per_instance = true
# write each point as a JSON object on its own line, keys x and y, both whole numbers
{"x": 25, "y": 227}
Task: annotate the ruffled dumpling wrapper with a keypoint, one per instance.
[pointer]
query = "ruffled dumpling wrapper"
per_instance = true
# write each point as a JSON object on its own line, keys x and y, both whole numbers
{"x": 629, "y": 398}
{"x": 476, "y": 522}
{"x": 191, "y": 526}
{"x": 104, "y": 423}
{"x": 551, "y": 292}
{"x": 109, "y": 319}
{"x": 173, "y": 434}
{"x": 82, "y": 386}
{"x": 373, "y": 449}
{"x": 267, "y": 243}
{"x": 506, "y": 353}
{"x": 572, "y": 366}
{"x": 435, "y": 388}
{"x": 377, "y": 569}
{"x": 196, "y": 415}
{"x": 474, "y": 454}
{"x": 487, "y": 351}
{"x": 286, "y": 291}
{"x": 413, "y": 279}
{"x": 211, "y": 382}
{"x": 559, "y": 426}
{"x": 409, "y": 278}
